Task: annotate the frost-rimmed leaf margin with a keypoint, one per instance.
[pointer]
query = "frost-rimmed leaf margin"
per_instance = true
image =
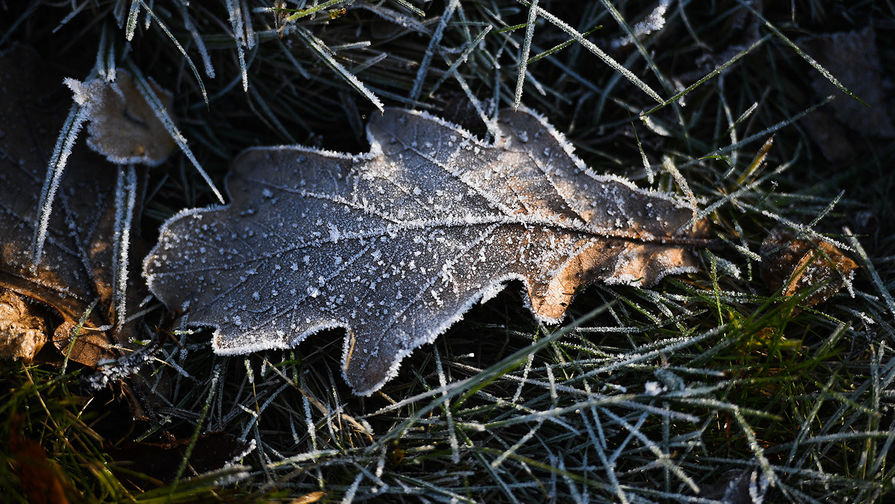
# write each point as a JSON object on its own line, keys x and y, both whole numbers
{"x": 486, "y": 292}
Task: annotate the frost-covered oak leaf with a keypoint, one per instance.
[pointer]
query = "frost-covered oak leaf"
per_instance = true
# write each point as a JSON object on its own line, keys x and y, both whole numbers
{"x": 397, "y": 244}
{"x": 123, "y": 127}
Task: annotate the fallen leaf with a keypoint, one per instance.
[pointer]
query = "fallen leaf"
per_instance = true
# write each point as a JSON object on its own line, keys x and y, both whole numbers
{"x": 22, "y": 332}
{"x": 212, "y": 451}
{"x": 308, "y": 498}
{"x": 397, "y": 244}
{"x": 853, "y": 59}
{"x": 40, "y": 478}
{"x": 792, "y": 265}
{"x": 122, "y": 124}
{"x": 830, "y": 136}
{"x": 75, "y": 271}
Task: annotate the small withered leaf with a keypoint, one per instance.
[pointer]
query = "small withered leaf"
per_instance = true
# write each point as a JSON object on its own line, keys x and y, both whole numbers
{"x": 122, "y": 124}
{"x": 853, "y": 58}
{"x": 75, "y": 270}
{"x": 397, "y": 244}
{"x": 22, "y": 331}
{"x": 790, "y": 266}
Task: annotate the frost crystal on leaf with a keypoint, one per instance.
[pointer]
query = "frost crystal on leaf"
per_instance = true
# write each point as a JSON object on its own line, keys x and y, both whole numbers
{"x": 396, "y": 245}
{"x": 123, "y": 127}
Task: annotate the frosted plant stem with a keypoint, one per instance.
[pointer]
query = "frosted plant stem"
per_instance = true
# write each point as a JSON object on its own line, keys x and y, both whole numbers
{"x": 132, "y": 16}
{"x": 442, "y": 380}
{"x": 186, "y": 57}
{"x": 874, "y": 275}
{"x": 161, "y": 112}
{"x": 216, "y": 375}
{"x": 598, "y": 445}
{"x": 236, "y": 22}
{"x": 352, "y": 490}
{"x": 147, "y": 20}
{"x": 64, "y": 143}
{"x": 811, "y": 61}
{"x": 125, "y": 198}
{"x": 77, "y": 10}
{"x": 477, "y": 104}
{"x": 325, "y": 55}
{"x": 249, "y": 29}
{"x": 590, "y": 46}
{"x": 100, "y": 64}
{"x": 460, "y": 60}
{"x": 430, "y": 51}
{"x": 526, "y": 49}
{"x": 200, "y": 44}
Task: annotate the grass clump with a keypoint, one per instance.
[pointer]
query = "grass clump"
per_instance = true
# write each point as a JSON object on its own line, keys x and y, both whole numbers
{"x": 670, "y": 394}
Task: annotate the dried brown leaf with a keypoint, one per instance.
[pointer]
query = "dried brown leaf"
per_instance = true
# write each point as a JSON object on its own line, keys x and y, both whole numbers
{"x": 41, "y": 479}
{"x": 852, "y": 57}
{"x": 22, "y": 331}
{"x": 308, "y": 498}
{"x": 397, "y": 244}
{"x": 76, "y": 267}
{"x": 123, "y": 126}
{"x": 792, "y": 265}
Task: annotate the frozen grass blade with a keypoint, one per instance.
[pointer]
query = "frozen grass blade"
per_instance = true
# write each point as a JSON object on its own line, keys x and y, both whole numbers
{"x": 125, "y": 198}
{"x": 249, "y": 29}
{"x": 871, "y": 270}
{"x": 64, "y": 143}
{"x": 430, "y": 51}
{"x": 590, "y": 46}
{"x": 523, "y": 55}
{"x": 162, "y": 113}
{"x": 180, "y": 49}
{"x": 132, "y": 16}
{"x": 189, "y": 449}
{"x": 325, "y": 55}
{"x": 452, "y": 434}
{"x": 560, "y": 46}
{"x": 460, "y": 60}
{"x": 681, "y": 182}
{"x": 197, "y": 38}
{"x": 811, "y": 61}
{"x": 234, "y": 9}
{"x": 71, "y": 15}
{"x": 707, "y": 77}
{"x": 300, "y": 13}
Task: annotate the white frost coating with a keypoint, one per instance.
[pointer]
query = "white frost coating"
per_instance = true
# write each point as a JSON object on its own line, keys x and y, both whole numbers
{"x": 56, "y": 168}
{"x": 234, "y": 11}
{"x": 394, "y": 246}
{"x": 653, "y": 22}
{"x": 653, "y": 388}
{"x": 125, "y": 198}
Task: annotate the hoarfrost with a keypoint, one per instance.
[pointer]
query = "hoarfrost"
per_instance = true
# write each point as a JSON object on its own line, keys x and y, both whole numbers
{"x": 396, "y": 245}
